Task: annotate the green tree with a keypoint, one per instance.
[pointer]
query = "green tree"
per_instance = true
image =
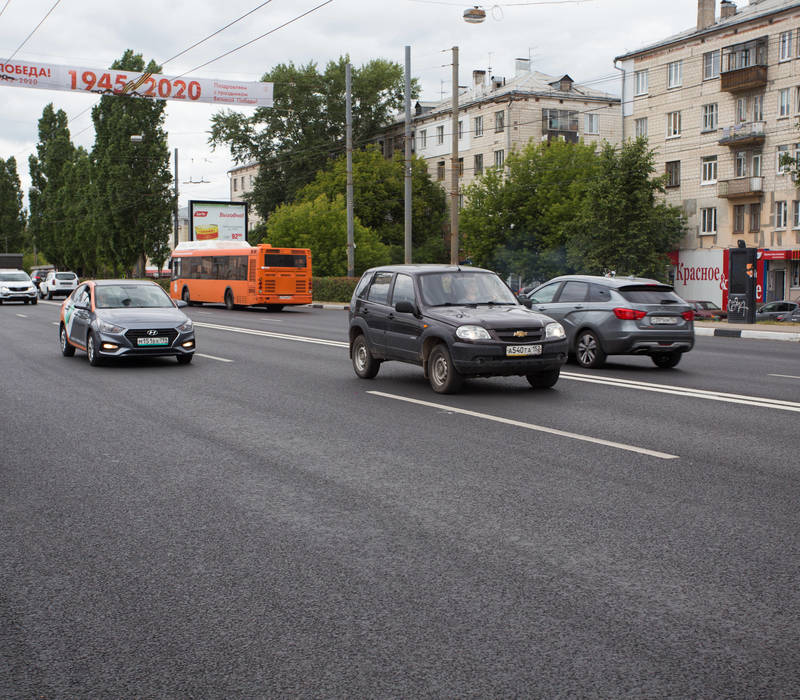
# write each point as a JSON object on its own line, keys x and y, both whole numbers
{"x": 12, "y": 214}
{"x": 622, "y": 223}
{"x": 132, "y": 182}
{"x": 516, "y": 221}
{"x": 305, "y": 128}
{"x": 321, "y": 225}
{"x": 378, "y": 201}
{"x": 80, "y": 248}
{"x": 53, "y": 152}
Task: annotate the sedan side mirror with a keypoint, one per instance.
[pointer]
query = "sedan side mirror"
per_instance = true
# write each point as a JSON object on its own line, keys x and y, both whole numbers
{"x": 405, "y": 307}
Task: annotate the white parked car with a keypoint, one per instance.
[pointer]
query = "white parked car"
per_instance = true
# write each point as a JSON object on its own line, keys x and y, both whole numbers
{"x": 15, "y": 285}
{"x": 58, "y": 284}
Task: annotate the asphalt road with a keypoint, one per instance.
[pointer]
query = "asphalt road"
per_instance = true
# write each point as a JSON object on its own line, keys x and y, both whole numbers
{"x": 262, "y": 523}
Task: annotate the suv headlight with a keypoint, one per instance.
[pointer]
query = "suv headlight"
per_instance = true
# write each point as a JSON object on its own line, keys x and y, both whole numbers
{"x": 554, "y": 330}
{"x": 4, "y": 290}
{"x": 106, "y": 327}
{"x": 473, "y": 333}
{"x": 186, "y": 326}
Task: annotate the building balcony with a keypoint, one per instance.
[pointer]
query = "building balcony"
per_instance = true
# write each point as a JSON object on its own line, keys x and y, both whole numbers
{"x": 563, "y": 135}
{"x": 743, "y": 79}
{"x": 745, "y": 134}
{"x": 741, "y": 187}
{"x": 744, "y": 66}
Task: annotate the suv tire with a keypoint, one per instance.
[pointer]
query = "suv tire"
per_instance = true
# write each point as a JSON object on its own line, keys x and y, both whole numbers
{"x": 364, "y": 364}
{"x": 442, "y": 374}
{"x": 543, "y": 380}
{"x": 665, "y": 360}
{"x": 588, "y": 352}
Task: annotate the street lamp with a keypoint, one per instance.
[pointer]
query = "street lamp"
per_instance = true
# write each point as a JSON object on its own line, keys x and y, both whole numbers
{"x": 474, "y": 15}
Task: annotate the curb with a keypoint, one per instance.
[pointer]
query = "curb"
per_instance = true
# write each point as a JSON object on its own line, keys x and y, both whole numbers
{"x": 753, "y": 335}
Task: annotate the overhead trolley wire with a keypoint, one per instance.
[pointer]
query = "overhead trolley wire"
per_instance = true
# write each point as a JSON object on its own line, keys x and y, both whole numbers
{"x": 33, "y": 31}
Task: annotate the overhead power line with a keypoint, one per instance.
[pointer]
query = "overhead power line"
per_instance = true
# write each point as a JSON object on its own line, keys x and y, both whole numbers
{"x": 33, "y": 31}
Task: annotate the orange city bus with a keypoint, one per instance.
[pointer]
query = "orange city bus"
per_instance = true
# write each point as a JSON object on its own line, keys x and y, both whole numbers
{"x": 235, "y": 273}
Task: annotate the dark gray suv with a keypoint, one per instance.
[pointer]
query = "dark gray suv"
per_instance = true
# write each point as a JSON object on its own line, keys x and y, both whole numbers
{"x": 618, "y": 316}
{"x": 455, "y": 322}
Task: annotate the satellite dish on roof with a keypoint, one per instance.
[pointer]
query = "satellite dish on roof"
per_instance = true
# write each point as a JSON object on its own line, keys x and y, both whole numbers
{"x": 474, "y": 15}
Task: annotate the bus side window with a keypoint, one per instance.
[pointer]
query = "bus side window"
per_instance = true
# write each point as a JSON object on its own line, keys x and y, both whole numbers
{"x": 175, "y": 266}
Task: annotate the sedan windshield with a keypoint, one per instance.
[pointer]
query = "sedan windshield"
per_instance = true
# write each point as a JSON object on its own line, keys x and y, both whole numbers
{"x": 119, "y": 296}
{"x": 14, "y": 277}
{"x": 463, "y": 288}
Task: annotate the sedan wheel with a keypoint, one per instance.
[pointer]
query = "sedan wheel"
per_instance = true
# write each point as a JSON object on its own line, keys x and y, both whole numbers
{"x": 588, "y": 351}
{"x": 67, "y": 350}
{"x": 91, "y": 351}
{"x": 443, "y": 376}
{"x": 364, "y": 364}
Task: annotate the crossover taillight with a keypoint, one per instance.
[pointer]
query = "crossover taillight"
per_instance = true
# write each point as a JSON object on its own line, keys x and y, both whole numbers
{"x": 629, "y": 314}
{"x": 688, "y": 315}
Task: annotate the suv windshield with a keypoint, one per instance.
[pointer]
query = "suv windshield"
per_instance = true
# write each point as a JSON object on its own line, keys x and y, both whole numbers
{"x": 118, "y": 296}
{"x": 650, "y": 294}
{"x": 462, "y": 288}
{"x": 14, "y": 277}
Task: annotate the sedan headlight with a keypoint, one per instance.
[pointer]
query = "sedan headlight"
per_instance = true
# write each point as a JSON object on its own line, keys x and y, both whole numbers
{"x": 473, "y": 333}
{"x": 554, "y": 330}
{"x": 106, "y": 327}
{"x": 186, "y": 326}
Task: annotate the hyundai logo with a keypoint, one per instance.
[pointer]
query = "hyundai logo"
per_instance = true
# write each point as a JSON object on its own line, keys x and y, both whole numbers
{"x": 152, "y": 332}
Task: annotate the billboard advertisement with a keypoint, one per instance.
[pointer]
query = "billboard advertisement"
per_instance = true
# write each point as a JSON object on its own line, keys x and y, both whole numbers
{"x": 217, "y": 221}
{"x": 101, "y": 81}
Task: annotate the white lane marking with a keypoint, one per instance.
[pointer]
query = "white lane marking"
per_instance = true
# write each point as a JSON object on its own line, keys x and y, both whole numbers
{"x": 22, "y": 315}
{"x": 688, "y": 392}
{"x": 269, "y": 334}
{"x": 529, "y": 426}
{"x": 787, "y": 376}
{"x": 212, "y": 357}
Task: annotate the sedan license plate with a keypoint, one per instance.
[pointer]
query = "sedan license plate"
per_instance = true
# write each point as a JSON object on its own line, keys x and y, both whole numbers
{"x": 664, "y": 320}
{"x": 152, "y": 341}
{"x": 523, "y": 350}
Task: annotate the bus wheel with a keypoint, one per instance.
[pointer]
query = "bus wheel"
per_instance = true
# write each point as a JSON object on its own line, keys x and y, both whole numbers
{"x": 228, "y": 299}
{"x": 185, "y": 296}
{"x": 274, "y": 307}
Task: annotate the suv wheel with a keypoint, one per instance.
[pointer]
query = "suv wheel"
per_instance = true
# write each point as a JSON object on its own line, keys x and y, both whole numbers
{"x": 588, "y": 351}
{"x": 543, "y": 380}
{"x": 665, "y": 360}
{"x": 364, "y": 364}
{"x": 442, "y": 374}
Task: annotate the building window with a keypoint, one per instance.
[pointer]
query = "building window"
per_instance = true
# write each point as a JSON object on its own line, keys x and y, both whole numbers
{"x": 756, "y": 169}
{"x": 673, "y": 173}
{"x": 592, "y": 125}
{"x": 796, "y": 214}
{"x": 440, "y": 134}
{"x": 785, "y": 46}
{"x": 478, "y": 164}
{"x": 711, "y": 64}
{"x": 423, "y": 139}
{"x": 499, "y": 121}
{"x": 781, "y": 214}
{"x": 478, "y": 126}
{"x": 795, "y": 273}
{"x": 708, "y": 221}
{"x": 784, "y": 102}
{"x": 673, "y": 124}
{"x": 741, "y": 110}
{"x": 641, "y": 127}
{"x": 242, "y": 183}
{"x": 755, "y": 218}
{"x": 640, "y": 82}
{"x": 440, "y": 171}
{"x": 738, "y": 218}
{"x": 710, "y": 117}
{"x": 780, "y": 167}
{"x": 252, "y": 180}
{"x": 709, "y": 171}
{"x": 461, "y": 167}
{"x": 740, "y": 164}
{"x": 460, "y": 129}
{"x": 675, "y": 74}
{"x": 498, "y": 159}
{"x": 235, "y": 184}
{"x": 758, "y": 108}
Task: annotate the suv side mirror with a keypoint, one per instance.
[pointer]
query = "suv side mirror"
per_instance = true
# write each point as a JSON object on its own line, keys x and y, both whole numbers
{"x": 405, "y": 307}
{"x": 527, "y": 303}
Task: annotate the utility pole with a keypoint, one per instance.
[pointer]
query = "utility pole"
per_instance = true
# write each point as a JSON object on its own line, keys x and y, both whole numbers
{"x": 454, "y": 167}
{"x": 175, "y": 238}
{"x": 349, "y": 146}
{"x": 407, "y": 223}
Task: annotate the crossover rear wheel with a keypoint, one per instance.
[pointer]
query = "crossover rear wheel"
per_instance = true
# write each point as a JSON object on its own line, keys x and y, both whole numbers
{"x": 588, "y": 352}
{"x": 364, "y": 364}
{"x": 442, "y": 374}
{"x": 665, "y": 360}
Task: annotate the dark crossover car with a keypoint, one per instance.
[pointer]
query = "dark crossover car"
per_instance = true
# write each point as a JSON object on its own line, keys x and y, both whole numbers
{"x": 707, "y": 310}
{"x": 618, "y": 316}
{"x": 454, "y": 321}
{"x": 124, "y": 318}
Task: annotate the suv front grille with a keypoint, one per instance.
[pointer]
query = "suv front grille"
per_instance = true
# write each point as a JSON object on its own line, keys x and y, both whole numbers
{"x": 531, "y": 334}
{"x": 135, "y": 333}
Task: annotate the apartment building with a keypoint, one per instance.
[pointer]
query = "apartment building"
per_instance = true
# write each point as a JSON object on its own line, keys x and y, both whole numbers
{"x": 720, "y": 104}
{"x": 242, "y": 179}
{"x": 497, "y": 115}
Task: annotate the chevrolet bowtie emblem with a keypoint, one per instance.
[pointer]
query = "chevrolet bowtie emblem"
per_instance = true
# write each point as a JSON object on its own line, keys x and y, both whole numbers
{"x": 520, "y": 334}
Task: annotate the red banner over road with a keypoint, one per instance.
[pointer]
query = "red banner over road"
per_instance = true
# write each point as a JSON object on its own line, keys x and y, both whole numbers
{"x": 45, "y": 76}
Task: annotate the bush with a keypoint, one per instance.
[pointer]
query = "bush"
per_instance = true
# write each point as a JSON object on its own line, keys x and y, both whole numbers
{"x": 334, "y": 289}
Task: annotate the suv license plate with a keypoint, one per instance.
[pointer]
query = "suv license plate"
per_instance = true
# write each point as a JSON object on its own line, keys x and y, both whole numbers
{"x": 523, "y": 350}
{"x": 152, "y": 341}
{"x": 664, "y": 320}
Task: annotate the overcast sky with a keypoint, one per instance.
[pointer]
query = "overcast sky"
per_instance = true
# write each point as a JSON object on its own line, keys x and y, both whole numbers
{"x": 579, "y": 38}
